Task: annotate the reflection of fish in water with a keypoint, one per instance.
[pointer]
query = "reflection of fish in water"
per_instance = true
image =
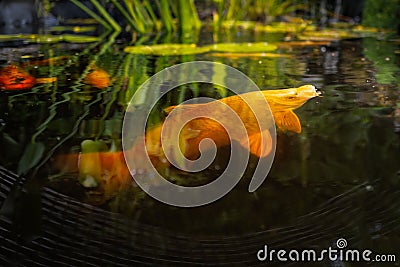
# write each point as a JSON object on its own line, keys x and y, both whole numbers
{"x": 282, "y": 102}
{"x": 15, "y": 78}
{"x": 105, "y": 169}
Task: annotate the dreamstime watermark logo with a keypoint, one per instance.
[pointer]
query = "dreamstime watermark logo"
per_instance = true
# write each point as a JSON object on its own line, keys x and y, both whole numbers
{"x": 147, "y": 96}
{"x": 339, "y": 252}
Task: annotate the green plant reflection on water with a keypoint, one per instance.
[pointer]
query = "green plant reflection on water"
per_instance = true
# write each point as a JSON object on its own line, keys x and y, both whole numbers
{"x": 348, "y": 135}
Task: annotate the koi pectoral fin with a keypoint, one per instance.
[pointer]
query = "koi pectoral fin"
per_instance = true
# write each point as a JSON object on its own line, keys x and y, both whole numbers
{"x": 287, "y": 121}
{"x": 260, "y": 143}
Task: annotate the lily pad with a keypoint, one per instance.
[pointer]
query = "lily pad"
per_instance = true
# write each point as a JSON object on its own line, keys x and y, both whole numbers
{"x": 292, "y": 44}
{"x": 43, "y": 39}
{"x": 284, "y": 27}
{"x": 32, "y": 37}
{"x": 327, "y": 35}
{"x": 81, "y": 21}
{"x": 295, "y": 25}
{"x": 167, "y": 49}
{"x": 14, "y": 37}
{"x": 189, "y": 49}
{"x": 240, "y": 24}
{"x": 80, "y": 38}
{"x": 48, "y": 38}
{"x": 244, "y": 47}
{"x": 73, "y": 28}
{"x": 250, "y": 55}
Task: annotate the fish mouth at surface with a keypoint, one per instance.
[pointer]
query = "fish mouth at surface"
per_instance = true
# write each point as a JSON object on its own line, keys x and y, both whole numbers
{"x": 293, "y": 98}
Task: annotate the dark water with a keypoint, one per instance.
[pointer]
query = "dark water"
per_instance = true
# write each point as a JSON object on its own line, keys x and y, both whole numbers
{"x": 350, "y": 137}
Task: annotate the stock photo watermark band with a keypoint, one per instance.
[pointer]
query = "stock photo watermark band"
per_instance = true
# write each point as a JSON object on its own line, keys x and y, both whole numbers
{"x": 182, "y": 121}
{"x": 339, "y": 252}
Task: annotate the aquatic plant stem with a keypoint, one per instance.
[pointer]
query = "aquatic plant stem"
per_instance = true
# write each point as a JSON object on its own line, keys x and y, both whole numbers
{"x": 107, "y": 16}
{"x": 188, "y": 18}
{"x": 125, "y": 14}
{"x": 166, "y": 16}
{"x": 156, "y": 23}
{"x": 139, "y": 24}
{"x": 92, "y": 14}
{"x": 218, "y": 16}
{"x": 230, "y": 14}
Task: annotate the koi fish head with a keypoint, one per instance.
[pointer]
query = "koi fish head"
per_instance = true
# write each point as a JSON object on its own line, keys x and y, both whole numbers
{"x": 291, "y": 98}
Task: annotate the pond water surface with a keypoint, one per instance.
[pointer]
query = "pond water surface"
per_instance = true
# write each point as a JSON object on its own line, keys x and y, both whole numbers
{"x": 338, "y": 178}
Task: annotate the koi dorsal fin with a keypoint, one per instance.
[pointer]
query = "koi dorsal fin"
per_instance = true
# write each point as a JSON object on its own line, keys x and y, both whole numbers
{"x": 187, "y": 108}
{"x": 287, "y": 121}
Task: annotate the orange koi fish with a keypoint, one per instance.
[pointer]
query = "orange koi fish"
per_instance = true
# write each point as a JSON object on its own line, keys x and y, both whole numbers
{"x": 110, "y": 169}
{"x": 282, "y": 103}
{"x": 15, "y": 78}
{"x": 98, "y": 78}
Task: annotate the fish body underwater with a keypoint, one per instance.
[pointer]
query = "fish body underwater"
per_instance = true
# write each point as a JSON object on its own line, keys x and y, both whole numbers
{"x": 281, "y": 102}
{"x": 14, "y": 78}
{"x": 98, "y": 78}
{"x": 101, "y": 165}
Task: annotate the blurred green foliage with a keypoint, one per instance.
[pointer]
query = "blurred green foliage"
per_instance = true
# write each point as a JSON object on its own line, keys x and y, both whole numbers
{"x": 383, "y": 58}
{"x": 147, "y": 16}
{"x": 382, "y": 14}
{"x": 256, "y": 10}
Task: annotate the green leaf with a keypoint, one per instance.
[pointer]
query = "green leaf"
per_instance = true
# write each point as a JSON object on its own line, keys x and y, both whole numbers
{"x": 43, "y": 39}
{"x": 12, "y": 37}
{"x": 73, "y": 28}
{"x": 32, "y": 155}
{"x": 328, "y": 34}
{"x": 80, "y": 38}
{"x": 48, "y": 38}
{"x": 284, "y": 27}
{"x": 240, "y": 24}
{"x": 167, "y": 49}
{"x": 244, "y": 47}
{"x": 188, "y": 49}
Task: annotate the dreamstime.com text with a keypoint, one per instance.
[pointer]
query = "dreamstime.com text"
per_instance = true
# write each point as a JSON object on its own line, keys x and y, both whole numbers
{"x": 337, "y": 253}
